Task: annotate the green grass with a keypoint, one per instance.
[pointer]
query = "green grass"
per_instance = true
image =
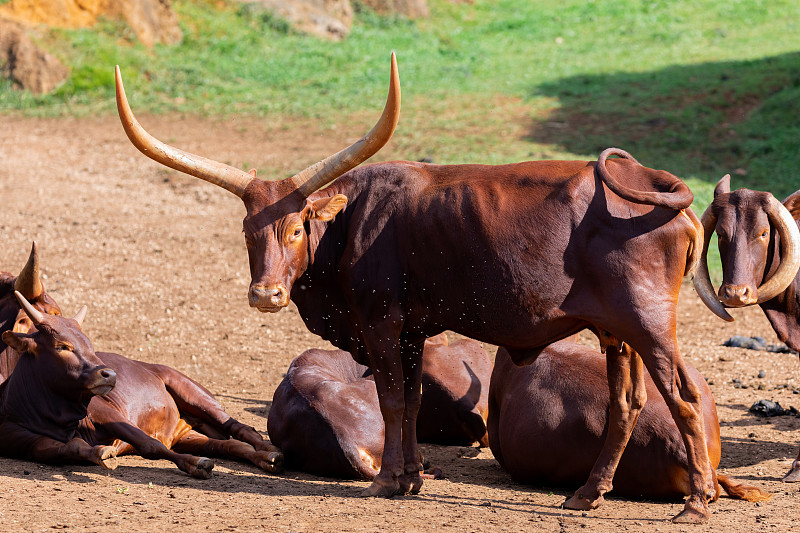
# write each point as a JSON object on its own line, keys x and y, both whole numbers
{"x": 699, "y": 88}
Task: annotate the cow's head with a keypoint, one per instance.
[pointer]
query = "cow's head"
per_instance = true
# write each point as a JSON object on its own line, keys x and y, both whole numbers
{"x": 63, "y": 356}
{"x": 275, "y": 227}
{"x": 744, "y": 221}
{"x": 29, "y": 284}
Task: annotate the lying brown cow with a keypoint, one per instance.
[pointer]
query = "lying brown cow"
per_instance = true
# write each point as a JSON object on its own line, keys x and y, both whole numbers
{"x": 326, "y": 419}
{"x": 12, "y": 318}
{"x": 759, "y": 245}
{"x": 65, "y": 403}
{"x": 547, "y": 423}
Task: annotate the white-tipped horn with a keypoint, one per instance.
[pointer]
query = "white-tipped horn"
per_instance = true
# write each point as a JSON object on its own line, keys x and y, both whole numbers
{"x": 320, "y": 174}
{"x": 786, "y": 226}
{"x": 35, "y": 315}
{"x": 228, "y": 177}
{"x": 80, "y": 315}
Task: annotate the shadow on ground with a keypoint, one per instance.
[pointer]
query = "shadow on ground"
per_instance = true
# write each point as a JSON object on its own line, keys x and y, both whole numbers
{"x": 705, "y": 120}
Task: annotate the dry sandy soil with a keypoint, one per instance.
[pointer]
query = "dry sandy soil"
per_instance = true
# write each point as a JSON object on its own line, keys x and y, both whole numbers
{"x": 160, "y": 260}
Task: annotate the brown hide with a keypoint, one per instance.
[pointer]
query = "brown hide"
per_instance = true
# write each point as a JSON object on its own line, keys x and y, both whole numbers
{"x": 58, "y": 406}
{"x": 739, "y": 214}
{"x": 326, "y": 419}
{"x": 547, "y": 423}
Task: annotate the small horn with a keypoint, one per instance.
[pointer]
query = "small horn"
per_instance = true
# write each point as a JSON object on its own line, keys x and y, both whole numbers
{"x": 80, "y": 315}
{"x": 320, "y": 174}
{"x": 32, "y": 312}
{"x": 229, "y": 178}
{"x": 780, "y": 217}
{"x": 28, "y": 282}
{"x": 702, "y": 280}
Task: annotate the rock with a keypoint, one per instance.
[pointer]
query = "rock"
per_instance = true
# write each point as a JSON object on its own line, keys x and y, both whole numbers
{"x": 27, "y": 65}
{"x": 768, "y": 408}
{"x": 756, "y": 343}
{"x": 408, "y": 8}
{"x": 330, "y": 19}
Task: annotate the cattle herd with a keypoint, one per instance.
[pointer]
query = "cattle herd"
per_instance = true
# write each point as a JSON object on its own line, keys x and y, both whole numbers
{"x": 380, "y": 260}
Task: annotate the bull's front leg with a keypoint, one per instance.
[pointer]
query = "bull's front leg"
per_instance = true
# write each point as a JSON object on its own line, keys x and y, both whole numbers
{"x": 793, "y": 476}
{"x": 628, "y": 396}
{"x": 382, "y": 341}
{"x": 20, "y": 442}
{"x": 411, "y": 480}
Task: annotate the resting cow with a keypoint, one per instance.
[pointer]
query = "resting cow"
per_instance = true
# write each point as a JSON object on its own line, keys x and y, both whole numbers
{"x": 518, "y": 255}
{"x": 326, "y": 419}
{"x": 12, "y": 318}
{"x": 64, "y": 403}
{"x": 547, "y": 420}
{"x": 759, "y": 246}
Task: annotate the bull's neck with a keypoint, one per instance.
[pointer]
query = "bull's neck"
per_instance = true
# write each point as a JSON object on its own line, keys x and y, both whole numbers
{"x": 32, "y": 403}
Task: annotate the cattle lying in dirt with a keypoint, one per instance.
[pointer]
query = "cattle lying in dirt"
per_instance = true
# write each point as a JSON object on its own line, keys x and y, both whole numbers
{"x": 326, "y": 419}
{"x": 759, "y": 246}
{"x": 12, "y": 317}
{"x": 519, "y": 255}
{"x": 64, "y": 403}
{"x": 547, "y": 421}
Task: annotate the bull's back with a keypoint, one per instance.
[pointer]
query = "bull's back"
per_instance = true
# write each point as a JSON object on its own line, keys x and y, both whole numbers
{"x": 547, "y": 424}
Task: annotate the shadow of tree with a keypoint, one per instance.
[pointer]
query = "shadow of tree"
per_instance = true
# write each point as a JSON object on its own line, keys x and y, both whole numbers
{"x": 704, "y": 120}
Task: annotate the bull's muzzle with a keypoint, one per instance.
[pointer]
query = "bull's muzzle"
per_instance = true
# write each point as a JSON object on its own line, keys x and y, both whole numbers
{"x": 103, "y": 380}
{"x": 737, "y": 295}
{"x": 269, "y": 299}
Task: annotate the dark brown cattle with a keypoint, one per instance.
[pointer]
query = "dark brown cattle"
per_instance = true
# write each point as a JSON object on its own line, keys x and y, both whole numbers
{"x": 64, "y": 403}
{"x": 547, "y": 423}
{"x": 518, "y": 255}
{"x": 326, "y": 419}
{"x": 12, "y": 318}
{"x": 759, "y": 245}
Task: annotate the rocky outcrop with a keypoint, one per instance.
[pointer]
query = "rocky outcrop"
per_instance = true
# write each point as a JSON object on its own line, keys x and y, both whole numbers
{"x": 407, "y": 8}
{"x": 30, "y": 67}
{"x": 330, "y": 19}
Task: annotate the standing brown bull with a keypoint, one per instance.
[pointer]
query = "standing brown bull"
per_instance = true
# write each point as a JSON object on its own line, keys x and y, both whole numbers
{"x": 65, "y": 403}
{"x": 12, "y": 317}
{"x": 518, "y": 255}
{"x": 759, "y": 245}
{"x": 326, "y": 419}
{"x": 547, "y": 420}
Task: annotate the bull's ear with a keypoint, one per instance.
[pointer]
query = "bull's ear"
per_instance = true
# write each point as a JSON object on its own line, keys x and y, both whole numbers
{"x": 723, "y": 185}
{"x": 325, "y": 209}
{"x": 21, "y": 342}
{"x": 792, "y": 203}
{"x": 23, "y": 324}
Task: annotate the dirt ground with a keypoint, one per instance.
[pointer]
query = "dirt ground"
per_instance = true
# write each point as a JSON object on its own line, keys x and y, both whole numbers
{"x": 160, "y": 260}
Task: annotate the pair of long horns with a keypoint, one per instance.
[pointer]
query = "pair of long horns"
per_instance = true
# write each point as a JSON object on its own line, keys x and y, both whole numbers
{"x": 786, "y": 226}
{"x": 235, "y": 180}
{"x": 28, "y": 282}
{"x": 38, "y": 317}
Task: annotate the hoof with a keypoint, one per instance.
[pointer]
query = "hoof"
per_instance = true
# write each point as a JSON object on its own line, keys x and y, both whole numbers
{"x": 410, "y": 483}
{"x": 793, "y": 476}
{"x": 202, "y": 468}
{"x": 271, "y": 462}
{"x": 107, "y": 457}
{"x": 691, "y": 516}
{"x": 579, "y": 503}
{"x": 381, "y": 490}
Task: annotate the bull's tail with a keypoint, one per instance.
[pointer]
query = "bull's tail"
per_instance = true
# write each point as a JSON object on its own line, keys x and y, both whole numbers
{"x": 740, "y": 491}
{"x": 678, "y": 195}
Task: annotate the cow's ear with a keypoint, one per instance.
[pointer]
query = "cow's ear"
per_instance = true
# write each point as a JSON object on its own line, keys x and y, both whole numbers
{"x": 21, "y": 342}
{"x": 325, "y": 209}
{"x": 723, "y": 185}
{"x": 23, "y": 324}
{"x": 792, "y": 203}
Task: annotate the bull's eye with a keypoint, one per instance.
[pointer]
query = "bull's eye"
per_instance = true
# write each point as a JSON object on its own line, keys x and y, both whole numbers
{"x": 297, "y": 232}
{"x": 764, "y": 234}
{"x": 63, "y": 348}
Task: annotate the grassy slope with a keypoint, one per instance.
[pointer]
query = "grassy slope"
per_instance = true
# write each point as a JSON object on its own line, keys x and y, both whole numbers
{"x": 700, "y": 88}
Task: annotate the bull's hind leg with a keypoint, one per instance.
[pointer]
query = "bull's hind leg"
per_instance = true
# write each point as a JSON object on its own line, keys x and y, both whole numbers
{"x": 793, "y": 476}
{"x": 628, "y": 396}
{"x": 683, "y": 398}
{"x": 196, "y": 401}
{"x": 195, "y": 443}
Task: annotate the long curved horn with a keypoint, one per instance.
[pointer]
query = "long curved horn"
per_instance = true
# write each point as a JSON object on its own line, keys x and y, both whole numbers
{"x": 320, "y": 174}
{"x": 28, "y": 281}
{"x": 702, "y": 280}
{"x": 32, "y": 312}
{"x": 228, "y": 177}
{"x": 780, "y": 217}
